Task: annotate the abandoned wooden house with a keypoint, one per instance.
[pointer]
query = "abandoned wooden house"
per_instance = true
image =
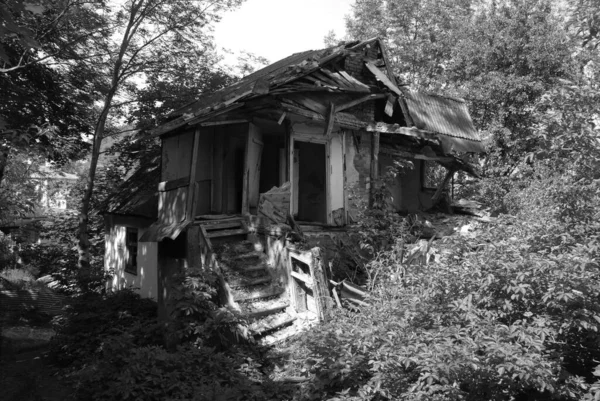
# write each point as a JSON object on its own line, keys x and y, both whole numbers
{"x": 299, "y": 144}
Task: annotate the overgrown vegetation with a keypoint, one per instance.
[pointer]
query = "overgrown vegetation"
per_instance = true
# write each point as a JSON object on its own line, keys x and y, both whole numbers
{"x": 115, "y": 349}
{"x": 510, "y": 312}
{"x": 507, "y": 311}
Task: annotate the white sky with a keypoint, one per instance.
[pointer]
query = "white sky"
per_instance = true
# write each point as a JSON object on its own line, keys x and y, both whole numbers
{"x": 277, "y": 28}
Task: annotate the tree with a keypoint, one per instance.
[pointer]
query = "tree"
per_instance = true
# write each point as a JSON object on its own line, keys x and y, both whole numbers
{"x": 419, "y": 35}
{"x": 145, "y": 36}
{"x": 48, "y": 88}
{"x": 503, "y": 62}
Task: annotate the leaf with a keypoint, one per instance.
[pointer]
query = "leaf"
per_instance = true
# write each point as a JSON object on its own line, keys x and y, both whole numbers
{"x": 37, "y": 9}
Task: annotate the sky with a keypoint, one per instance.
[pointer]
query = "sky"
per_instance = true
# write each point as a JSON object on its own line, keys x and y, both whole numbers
{"x": 277, "y": 28}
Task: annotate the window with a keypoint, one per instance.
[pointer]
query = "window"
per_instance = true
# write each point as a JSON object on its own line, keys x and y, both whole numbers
{"x": 432, "y": 174}
{"x": 131, "y": 243}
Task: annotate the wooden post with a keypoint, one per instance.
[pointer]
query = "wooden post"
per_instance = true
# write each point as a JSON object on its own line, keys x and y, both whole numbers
{"x": 374, "y": 166}
{"x": 191, "y": 193}
{"x": 194, "y": 251}
{"x": 320, "y": 287}
{"x": 288, "y": 152}
{"x": 330, "y": 120}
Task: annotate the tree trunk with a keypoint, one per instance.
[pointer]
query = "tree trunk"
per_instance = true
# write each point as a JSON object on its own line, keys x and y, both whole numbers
{"x": 83, "y": 263}
{"x": 4, "y": 151}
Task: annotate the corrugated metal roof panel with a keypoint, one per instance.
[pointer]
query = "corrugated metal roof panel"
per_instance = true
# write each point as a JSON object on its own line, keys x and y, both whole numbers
{"x": 442, "y": 115}
{"x": 446, "y": 116}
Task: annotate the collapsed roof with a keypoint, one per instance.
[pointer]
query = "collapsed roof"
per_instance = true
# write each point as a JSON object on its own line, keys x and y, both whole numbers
{"x": 319, "y": 84}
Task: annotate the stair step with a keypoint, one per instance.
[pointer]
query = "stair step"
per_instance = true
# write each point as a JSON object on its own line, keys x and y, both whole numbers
{"x": 222, "y": 225}
{"x": 253, "y": 268}
{"x": 299, "y": 326}
{"x": 254, "y": 311}
{"x": 245, "y": 247}
{"x": 271, "y": 323}
{"x": 247, "y": 282}
{"x": 226, "y": 233}
{"x": 267, "y": 292}
{"x": 243, "y": 261}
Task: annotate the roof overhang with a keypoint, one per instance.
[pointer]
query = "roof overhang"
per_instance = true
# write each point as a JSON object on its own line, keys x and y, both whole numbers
{"x": 161, "y": 230}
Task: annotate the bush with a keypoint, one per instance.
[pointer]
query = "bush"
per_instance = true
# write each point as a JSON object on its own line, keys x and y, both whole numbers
{"x": 128, "y": 372}
{"x": 512, "y": 313}
{"x": 115, "y": 349}
{"x": 91, "y": 319}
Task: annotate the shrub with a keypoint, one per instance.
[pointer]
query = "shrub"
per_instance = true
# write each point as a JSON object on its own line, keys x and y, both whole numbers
{"x": 114, "y": 348}
{"x": 512, "y": 313}
{"x": 91, "y": 319}
{"x": 125, "y": 371}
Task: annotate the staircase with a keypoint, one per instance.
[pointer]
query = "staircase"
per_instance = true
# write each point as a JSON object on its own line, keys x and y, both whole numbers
{"x": 261, "y": 299}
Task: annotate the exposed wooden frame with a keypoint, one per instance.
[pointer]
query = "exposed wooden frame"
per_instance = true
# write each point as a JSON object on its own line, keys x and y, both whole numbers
{"x": 330, "y": 120}
{"x": 360, "y": 100}
{"x": 388, "y": 66}
{"x": 318, "y": 117}
{"x": 224, "y": 122}
{"x": 189, "y": 210}
{"x": 383, "y": 78}
{"x": 408, "y": 155}
{"x": 215, "y": 113}
{"x": 397, "y": 129}
{"x": 344, "y": 175}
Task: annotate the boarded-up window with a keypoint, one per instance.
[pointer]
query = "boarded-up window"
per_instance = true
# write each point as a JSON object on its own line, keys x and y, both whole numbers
{"x": 131, "y": 243}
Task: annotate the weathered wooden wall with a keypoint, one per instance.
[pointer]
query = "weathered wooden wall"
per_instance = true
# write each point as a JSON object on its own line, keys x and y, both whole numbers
{"x": 145, "y": 282}
{"x": 177, "y": 155}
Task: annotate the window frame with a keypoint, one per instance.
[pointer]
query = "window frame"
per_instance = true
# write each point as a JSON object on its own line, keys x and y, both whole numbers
{"x": 131, "y": 246}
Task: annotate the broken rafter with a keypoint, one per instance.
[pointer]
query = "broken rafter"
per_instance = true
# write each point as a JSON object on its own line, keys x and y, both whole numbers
{"x": 397, "y": 129}
{"x": 383, "y": 78}
{"x": 361, "y": 86}
{"x": 217, "y": 111}
{"x": 224, "y": 122}
{"x": 343, "y": 119}
{"x": 409, "y": 155}
{"x": 360, "y": 100}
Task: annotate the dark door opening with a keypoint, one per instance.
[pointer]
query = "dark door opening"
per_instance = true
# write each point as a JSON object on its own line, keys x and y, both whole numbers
{"x": 232, "y": 174}
{"x": 312, "y": 181}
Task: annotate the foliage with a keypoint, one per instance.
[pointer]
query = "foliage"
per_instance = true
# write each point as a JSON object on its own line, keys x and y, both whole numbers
{"x": 151, "y": 373}
{"x": 19, "y": 196}
{"x": 115, "y": 349}
{"x": 48, "y": 92}
{"x": 7, "y": 259}
{"x": 196, "y": 316}
{"x": 20, "y": 278}
{"x": 379, "y": 226}
{"x": 419, "y": 35}
{"x": 92, "y": 318}
{"x": 142, "y": 39}
{"x": 508, "y": 313}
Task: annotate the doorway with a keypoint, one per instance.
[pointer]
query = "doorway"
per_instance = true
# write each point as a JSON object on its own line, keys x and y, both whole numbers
{"x": 310, "y": 182}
